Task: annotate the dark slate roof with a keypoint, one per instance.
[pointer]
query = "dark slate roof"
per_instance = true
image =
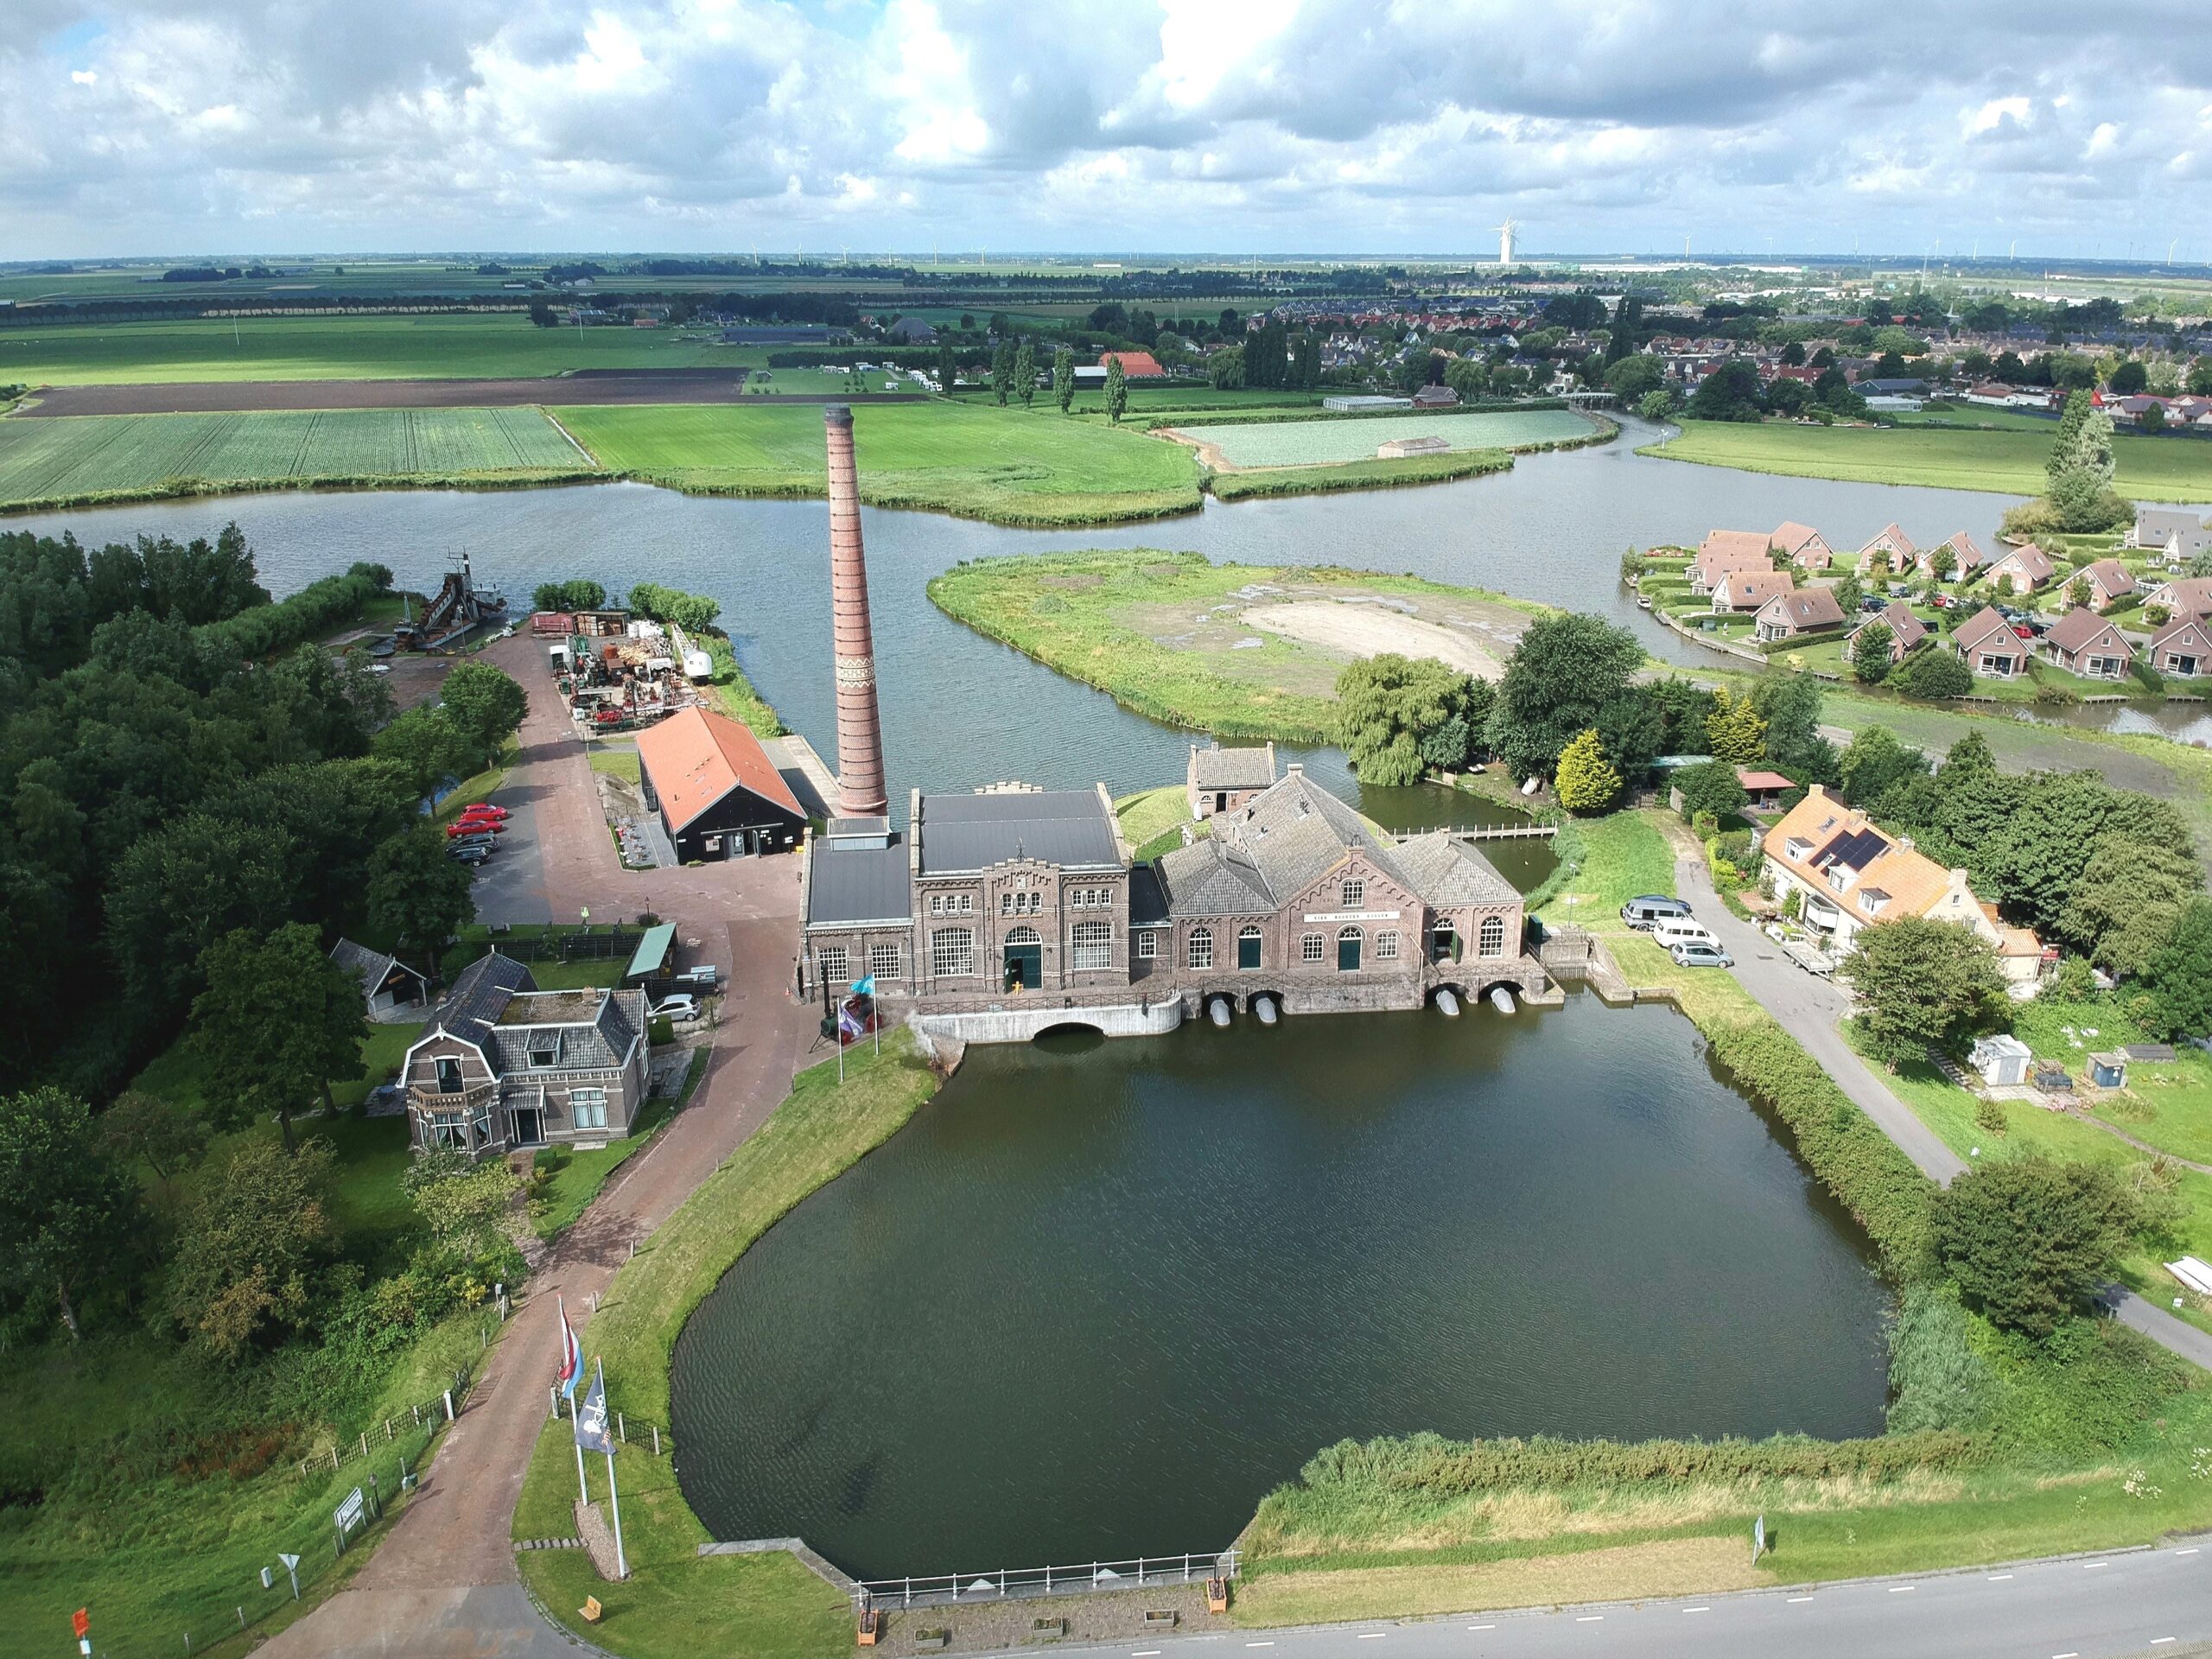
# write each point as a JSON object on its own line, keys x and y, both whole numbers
{"x": 1269, "y": 851}
{"x": 597, "y": 1041}
{"x": 1148, "y": 898}
{"x": 1220, "y": 768}
{"x": 371, "y": 968}
{"x": 1448, "y": 873}
{"x": 479, "y": 994}
{"x": 1071, "y": 828}
{"x": 847, "y": 883}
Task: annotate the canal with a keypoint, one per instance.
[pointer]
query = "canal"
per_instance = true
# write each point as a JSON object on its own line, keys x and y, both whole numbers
{"x": 1097, "y": 1298}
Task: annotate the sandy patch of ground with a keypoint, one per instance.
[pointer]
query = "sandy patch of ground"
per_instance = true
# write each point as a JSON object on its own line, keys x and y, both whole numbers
{"x": 1368, "y": 630}
{"x": 1668, "y": 1566}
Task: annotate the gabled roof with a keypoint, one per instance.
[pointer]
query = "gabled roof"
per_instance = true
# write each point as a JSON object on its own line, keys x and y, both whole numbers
{"x": 1745, "y": 547}
{"x": 1976, "y": 631}
{"x": 1215, "y": 767}
{"x": 1447, "y": 873}
{"x": 1892, "y": 538}
{"x": 1804, "y": 607}
{"x": 1906, "y": 629}
{"x": 479, "y": 995}
{"x": 2182, "y": 627}
{"x": 371, "y": 968}
{"x": 1136, "y": 365}
{"x": 1072, "y": 828}
{"x": 2186, "y": 596}
{"x": 1970, "y": 556}
{"x": 1267, "y": 851}
{"x": 1754, "y": 588}
{"x": 695, "y": 757}
{"x": 2029, "y": 559}
{"x": 1791, "y": 537}
{"x": 2111, "y": 575}
{"x": 2078, "y": 627}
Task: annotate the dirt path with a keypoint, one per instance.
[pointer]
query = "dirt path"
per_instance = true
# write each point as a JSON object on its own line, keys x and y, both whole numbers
{"x": 419, "y": 1594}
{"x": 1371, "y": 630}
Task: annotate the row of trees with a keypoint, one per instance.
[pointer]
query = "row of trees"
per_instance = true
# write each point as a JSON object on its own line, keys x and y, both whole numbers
{"x": 694, "y": 613}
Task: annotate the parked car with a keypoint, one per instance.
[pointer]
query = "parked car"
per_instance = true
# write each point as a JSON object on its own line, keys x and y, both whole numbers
{"x": 1649, "y": 911}
{"x": 460, "y": 827}
{"x": 1671, "y": 931}
{"x": 682, "y": 1006}
{"x": 471, "y": 856}
{"x": 1690, "y": 954}
{"x": 2021, "y": 630}
{"x": 1945, "y": 602}
{"x": 483, "y": 808}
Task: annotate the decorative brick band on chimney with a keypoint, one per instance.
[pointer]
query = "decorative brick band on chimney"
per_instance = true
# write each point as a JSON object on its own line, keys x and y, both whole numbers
{"x": 860, "y": 726}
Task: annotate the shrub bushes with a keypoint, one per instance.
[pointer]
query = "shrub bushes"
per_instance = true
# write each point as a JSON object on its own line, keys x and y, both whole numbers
{"x": 308, "y": 614}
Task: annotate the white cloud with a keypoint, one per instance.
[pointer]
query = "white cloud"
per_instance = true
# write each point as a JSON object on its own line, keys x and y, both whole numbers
{"x": 285, "y": 125}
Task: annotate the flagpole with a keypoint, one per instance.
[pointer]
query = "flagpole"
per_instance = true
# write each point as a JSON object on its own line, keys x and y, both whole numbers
{"x": 583, "y": 1490}
{"x": 614, "y": 1497}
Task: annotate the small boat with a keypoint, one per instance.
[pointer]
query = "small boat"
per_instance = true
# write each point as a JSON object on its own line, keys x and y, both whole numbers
{"x": 1265, "y": 1007}
{"x": 1447, "y": 1004}
{"x": 1501, "y": 999}
{"x": 1217, "y": 1010}
{"x": 1643, "y": 601}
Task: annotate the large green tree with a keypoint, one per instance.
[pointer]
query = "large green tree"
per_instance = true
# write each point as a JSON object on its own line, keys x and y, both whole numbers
{"x": 1586, "y": 781}
{"x": 67, "y": 1209}
{"x": 2124, "y": 905}
{"x": 1064, "y": 379}
{"x": 1923, "y": 984}
{"x": 1564, "y": 671}
{"x": 1386, "y": 705}
{"x": 2031, "y": 1241}
{"x": 485, "y": 707}
{"x": 1117, "y": 390}
{"x": 278, "y": 1023}
{"x": 1025, "y": 372}
{"x": 254, "y": 1234}
{"x": 418, "y": 895}
{"x": 1875, "y": 762}
{"x": 2178, "y": 975}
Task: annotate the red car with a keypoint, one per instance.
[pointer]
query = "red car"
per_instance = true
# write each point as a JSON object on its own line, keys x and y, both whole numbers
{"x": 460, "y": 827}
{"x": 2024, "y": 630}
{"x": 483, "y": 809}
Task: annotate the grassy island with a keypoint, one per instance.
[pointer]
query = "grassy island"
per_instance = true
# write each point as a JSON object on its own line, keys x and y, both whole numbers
{"x": 1244, "y": 650}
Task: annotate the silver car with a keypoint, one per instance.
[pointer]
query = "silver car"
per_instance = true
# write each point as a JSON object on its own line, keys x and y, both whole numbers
{"x": 1691, "y": 954}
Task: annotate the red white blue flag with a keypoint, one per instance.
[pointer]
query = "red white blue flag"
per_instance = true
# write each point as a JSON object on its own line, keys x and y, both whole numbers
{"x": 572, "y": 1355}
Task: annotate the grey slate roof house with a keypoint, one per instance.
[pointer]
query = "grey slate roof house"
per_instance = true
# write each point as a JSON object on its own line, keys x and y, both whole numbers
{"x": 390, "y": 990}
{"x": 1220, "y": 780}
{"x": 504, "y": 1066}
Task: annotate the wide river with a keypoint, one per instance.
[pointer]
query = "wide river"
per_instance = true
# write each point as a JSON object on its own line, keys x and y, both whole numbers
{"x": 1094, "y": 1301}
{"x": 960, "y": 710}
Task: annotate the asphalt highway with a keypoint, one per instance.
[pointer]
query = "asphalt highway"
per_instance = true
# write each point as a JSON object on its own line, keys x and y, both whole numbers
{"x": 2155, "y": 1602}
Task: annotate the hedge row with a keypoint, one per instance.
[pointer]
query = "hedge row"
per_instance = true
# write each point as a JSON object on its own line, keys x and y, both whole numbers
{"x": 1430, "y": 1467}
{"x": 1864, "y": 1169}
{"x": 308, "y": 614}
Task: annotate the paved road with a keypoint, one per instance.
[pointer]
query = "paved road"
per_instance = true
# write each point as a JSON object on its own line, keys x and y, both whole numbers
{"x": 2150, "y": 1601}
{"x": 1809, "y": 1008}
{"x": 443, "y": 1583}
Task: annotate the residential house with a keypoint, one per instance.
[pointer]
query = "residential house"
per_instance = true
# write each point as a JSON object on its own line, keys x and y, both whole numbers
{"x": 717, "y": 793}
{"x": 2021, "y": 569}
{"x": 911, "y": 331}
{"x": 1436, "y": 397}
{"x": 2108, "y": 582}
{"x": 1851, "y": 875}
{"x": 389, "y": 988}
{"x": 1906, "y": 629}
{"x": 2182, "y": 596}
{"x": 1136, "y": 365}
{"x": 1889, "y": 551}
{"x": 1220, "y": 780}
{"x": 1966, "y": 558}
{"x": 1747, "y": 590}
{"x": 1990, "y": 647}
{"x": 2082, "y": 642}
{"x": 1795, "y": 610}
{"x": 2175, "y": 537}
{"x": 1803, "y": 545}
{"x": 1991, "y": 395}
{"x": 504, "y": 1065}
{"x": 2182, "y": 650}
{"x": 1723, "y": 551}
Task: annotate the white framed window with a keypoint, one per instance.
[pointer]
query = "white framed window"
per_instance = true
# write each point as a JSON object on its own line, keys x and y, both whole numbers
{"x": 1355, "y": 894}
{"x": 1312, "y": 948}
{"x": 883, "y": 960}
{"x": 1006, "y": 904}
{"x": 952, "y": 952}
{"x": 967, "y": 904}
{"x": 449, "y": 1132}
{"x": 589, "y": 1106}
{"x": 1201, "y": 948}
{"x": 831, "y": 961}
{"x": 450, "y": 1081}
{"x": 937, "y": 904}
{"x": 1091, "y": 944}
{"x": 544, "y": 1048}
{"x": 1147, "y": 945}
{"x": 1386, "y": 947}
{"x": 1493, "y": 935}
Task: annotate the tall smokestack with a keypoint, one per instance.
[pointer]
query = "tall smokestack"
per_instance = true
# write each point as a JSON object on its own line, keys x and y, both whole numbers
{"x": 860, "y": 728}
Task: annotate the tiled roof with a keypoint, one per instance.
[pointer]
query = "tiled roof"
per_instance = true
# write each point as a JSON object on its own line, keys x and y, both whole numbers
{"x": 590, "y": 1030}
{"x": 1978, "y": 629}
{"x": 1219, "y": 768}
{"x": 1806, "y": 607}
{"x": 1754, "y": 588}
{"x": 2029, "y": 559}
{"x": 371, "y": 968}
{"x": 695, "y": 757}
{"x": 479, "y": 994}
{"x": 2078, "y": 627}
{"x": 847, "y": 884}
{"x": 1269, "y": 849}
{"x": 1791, "y": 537}
{"x": 1906, "y": 629}
{"x": 2186, "y": 596}
{"x": 1446, "y": 873}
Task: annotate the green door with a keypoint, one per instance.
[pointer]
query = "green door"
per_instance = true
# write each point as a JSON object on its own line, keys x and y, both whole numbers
{"x": 1025, "y": 966}
{"x": 1348, "y": 953}
{"x": 1247, "y": 951}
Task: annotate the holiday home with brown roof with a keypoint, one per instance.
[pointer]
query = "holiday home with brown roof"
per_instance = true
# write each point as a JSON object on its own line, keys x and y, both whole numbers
{"x": 1890, "y": 549}
{"x": 2182, "y": 649}
{"x": 2022, "y": 569}
{"x": 1988, "y": 646}
{"x": 1803, "y": 545}
{"x": 1747, "y": 590}
{"x": 1906, "y": 629}
{"x": 1966, "y": 558}
{"x": 2083, "y": 642}
{"x": 2109, "y": 583}
{"x": 1724, "y": 550}
{"x": 1795, "y": 610}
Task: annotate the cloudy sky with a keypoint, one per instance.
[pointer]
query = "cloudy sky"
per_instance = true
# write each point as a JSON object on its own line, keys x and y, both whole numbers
{"x": 1351, "y": 126}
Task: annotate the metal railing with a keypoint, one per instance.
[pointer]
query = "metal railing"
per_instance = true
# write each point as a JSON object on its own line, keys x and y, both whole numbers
{"x": 1004, "y": 1584}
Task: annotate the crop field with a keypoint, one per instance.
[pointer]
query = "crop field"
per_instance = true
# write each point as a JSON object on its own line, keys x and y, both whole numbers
{"x": 2153, "y": 470}
{"x": 1009, "y": 466}
{"x": 494, "y": 345}
{"x": 123, "y": 455}
{"x": 1312, "y": 443}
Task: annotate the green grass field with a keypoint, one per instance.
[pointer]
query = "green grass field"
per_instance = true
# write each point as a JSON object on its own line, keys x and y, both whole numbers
{"x": 118, "y": 456}
{"x": 1310, "y": 443}
{"x": 2156, "y": 469}
{"x": 1009, "y": 466}
{"x": 470, "y": 346}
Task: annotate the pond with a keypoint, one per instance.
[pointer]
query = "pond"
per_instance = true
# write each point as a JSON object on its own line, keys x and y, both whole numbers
{"x": 1094, "y": 1301}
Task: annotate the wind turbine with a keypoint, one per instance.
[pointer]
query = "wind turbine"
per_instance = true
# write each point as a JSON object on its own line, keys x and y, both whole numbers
{"x": 2170, "y": 246}
{"x": 1505, "y": 233}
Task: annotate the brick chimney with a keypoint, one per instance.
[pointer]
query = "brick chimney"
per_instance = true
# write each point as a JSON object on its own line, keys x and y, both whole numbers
{"x": 860, "y": 727}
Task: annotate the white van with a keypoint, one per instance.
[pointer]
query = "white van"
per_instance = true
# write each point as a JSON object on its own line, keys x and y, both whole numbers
{"x": 1672, "y": 931}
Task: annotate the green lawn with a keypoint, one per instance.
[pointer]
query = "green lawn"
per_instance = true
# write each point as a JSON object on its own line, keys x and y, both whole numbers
{"x": 1309, "y": 443}
{"x": 497, "y": 346}
{"x": 615, "y": 762}
{"x": 104, "y": 457}
{"x": 2159, "y": 469}
{"x": 1625, "y": 857}
{"x": 573, "y": 1178}
{"x": 1008, "y": 466}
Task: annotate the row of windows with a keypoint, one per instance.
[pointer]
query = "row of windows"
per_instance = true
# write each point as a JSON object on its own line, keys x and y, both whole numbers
{"x": 834, "y": 963}
{"x": 952, "y": 904}
{"x": 1090, "y": 898}
{"x": 1021, "y": 904}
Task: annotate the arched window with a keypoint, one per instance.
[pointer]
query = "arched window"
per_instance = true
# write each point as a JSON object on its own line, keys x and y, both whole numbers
{"x": 1247, "y": 948}
{"x": 1312, "y": 948}
{"x": 1493, "y": 935}
{"x": 1023, "y": 936}
{"x": 1201, "y": 947}
{"x": 1348, "y": 943}
{"x": 953, "y": 951}
{"x": 1091, "y": 945}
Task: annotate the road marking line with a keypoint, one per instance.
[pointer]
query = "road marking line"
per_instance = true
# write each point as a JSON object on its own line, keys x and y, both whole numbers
{"x": 2191, "y": 1550}
{"x": 1481, "y": 1627}
{"x": 2161, "y": 1641}
{"x": 1903, "y": 1589}
{"x": 1801, "y": 1598}
{"x": 1999, "y": 1578}
{"x": 1589, "y": 1619}
{"x": 1259, "y": 1644}
{"x": 1146, "y": 1653}
{"x": 1373, "y": 1635}
{"x": 1697, "y": 1610}
{"x": 2091, "y": 1566}
{"x": 2065, "y": 1656}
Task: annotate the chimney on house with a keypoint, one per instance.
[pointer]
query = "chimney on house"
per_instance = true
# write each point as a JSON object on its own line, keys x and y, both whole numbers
{"x": 860, "y": 726}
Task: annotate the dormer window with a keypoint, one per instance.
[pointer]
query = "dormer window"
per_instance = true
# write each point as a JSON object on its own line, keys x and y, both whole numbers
{"x": 544, "y": 1048}
{"x": 1798, "y": 846}
{"x": 449, "y": 1078}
